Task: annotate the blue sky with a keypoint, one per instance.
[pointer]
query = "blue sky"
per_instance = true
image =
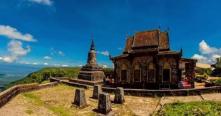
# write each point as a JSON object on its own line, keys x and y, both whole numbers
{"x": 59, "y": 32}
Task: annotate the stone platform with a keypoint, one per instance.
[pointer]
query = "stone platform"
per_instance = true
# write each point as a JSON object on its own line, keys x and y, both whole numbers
{"x": 86, "y": 82}
{"x": 91, "y": 75}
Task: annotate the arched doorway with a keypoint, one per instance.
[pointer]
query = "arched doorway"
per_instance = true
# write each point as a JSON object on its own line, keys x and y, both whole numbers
{"x": 151, "y": 73}
{"x": 137, "y": 73}
{"x": 124, "y": 73}
{"x": 166, "y": 72}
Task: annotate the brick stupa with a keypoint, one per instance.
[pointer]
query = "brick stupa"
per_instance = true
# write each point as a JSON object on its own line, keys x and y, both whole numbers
{"x": 91, "y": 71}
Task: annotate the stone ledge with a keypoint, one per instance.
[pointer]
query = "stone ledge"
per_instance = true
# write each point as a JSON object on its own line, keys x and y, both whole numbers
{"x": 91, "y": 83}
{"x": 8, "y": 94}
{"x": 172, "y": 92}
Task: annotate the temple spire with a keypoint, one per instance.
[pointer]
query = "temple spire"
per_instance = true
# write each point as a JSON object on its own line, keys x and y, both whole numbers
{"x": 92, "y": 45}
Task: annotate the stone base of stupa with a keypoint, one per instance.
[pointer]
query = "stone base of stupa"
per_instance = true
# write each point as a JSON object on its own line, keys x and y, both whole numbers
{"x": 86, "y": 82}
{"x": 91, "y": 75}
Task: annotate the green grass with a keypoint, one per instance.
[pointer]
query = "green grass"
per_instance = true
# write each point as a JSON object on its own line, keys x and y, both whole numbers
{"x": 203, "y": 108}
{"x": 28, "y": 111}
{"x": 34, "y": 99}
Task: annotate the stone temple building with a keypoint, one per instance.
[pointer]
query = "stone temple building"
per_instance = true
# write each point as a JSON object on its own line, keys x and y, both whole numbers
{"x": 91, "y": 71}
{"x": 148, "y": 62}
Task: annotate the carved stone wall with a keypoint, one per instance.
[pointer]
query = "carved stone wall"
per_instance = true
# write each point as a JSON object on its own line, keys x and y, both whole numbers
{"x": 121, "y": 65}
{"x": 142, "y": 63}
{"x": 172, "y": 66}
{"x": 139, "y": 69}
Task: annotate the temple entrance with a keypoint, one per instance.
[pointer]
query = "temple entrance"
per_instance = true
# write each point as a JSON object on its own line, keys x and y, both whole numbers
{"x": 151, "y": 73}
{"x": 137, "y": 74}
{"x": 124, "y": 75}
{"x": 166, "y": 72}
{"x": 166, "y": 75}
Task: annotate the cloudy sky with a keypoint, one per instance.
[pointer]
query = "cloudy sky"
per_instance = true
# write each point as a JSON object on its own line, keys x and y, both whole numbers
{"x": 59, "y": 32}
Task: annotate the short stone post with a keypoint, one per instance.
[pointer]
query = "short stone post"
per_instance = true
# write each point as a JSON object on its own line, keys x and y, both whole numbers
{"x": 97, "y": 90}
{"x": 104, "y": 103}
{"x": 119, "y": 95}
{"x": 80, "y": 99}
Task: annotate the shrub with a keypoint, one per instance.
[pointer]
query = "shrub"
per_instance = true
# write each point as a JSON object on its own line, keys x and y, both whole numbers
{"x": 201, "y": 78}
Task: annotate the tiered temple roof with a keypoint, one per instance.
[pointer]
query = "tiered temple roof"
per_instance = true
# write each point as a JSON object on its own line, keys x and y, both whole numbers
{"x": 148, "y": 41}
{"x": 154, "y": 39}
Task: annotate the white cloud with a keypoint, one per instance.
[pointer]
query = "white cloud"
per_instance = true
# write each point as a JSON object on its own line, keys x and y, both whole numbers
{"x": 61, "y": 53}
{"x": 16, "y": 50}
{"x": 56, "y": 65}
{"x": 13, "y": 33}
{"x": 47, "y": 57}
{"x": 206, "y": 49}
{"x": 24, "y": 62}
{"x": 15, "y": 47}
{"x": 56, "y": 52}
{"x": 200, "y": 58}
{"x": 120, "y": 48}
{"x": 64, "y": 65}
{"x": 105, "y": 53}
{"x": 34, "y": 63}
{"x": 46, "y": 63}
{"x": 207, "y": 54}
{"x": 104, "y": 66}
{"x": 44, "y": 2}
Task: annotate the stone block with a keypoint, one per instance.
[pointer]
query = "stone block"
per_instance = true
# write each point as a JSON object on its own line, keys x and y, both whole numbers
{"x": 104, "y": 103}
{"x": 97, "y": 90}
{"x": 119, "y": 95}
{"x": 80, "y": 98}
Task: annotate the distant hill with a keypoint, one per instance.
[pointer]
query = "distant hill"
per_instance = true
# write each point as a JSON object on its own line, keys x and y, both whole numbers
{"x": 12, "y": 72}
{"x": 44, "y": 73}
{"x": 15, "y": 69}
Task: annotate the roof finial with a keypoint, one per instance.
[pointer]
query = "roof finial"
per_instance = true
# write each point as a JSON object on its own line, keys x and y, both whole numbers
{"x": 159, "y": 28}
{"x": 92, "y": 43}
{"x": 168, "y": 29}
{"x": 181, "y": 51}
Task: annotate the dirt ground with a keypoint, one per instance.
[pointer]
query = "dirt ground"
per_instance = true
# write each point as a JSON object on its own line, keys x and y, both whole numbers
{"x": 57, "y": 101}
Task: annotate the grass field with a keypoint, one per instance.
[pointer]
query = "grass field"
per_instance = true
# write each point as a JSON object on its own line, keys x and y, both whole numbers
{"x": 203, "y": 108}
{"x": 57, "y": 101}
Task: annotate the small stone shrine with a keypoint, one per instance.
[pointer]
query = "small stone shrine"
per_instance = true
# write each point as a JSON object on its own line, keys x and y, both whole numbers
{"x": 91, "y": 71}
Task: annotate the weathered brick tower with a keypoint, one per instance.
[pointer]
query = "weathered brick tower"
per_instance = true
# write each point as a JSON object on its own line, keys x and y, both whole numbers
{"x": 91, "y": 71}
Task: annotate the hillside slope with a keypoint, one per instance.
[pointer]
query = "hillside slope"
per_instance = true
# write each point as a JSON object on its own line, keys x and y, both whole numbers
{"x": 43, "y": 75}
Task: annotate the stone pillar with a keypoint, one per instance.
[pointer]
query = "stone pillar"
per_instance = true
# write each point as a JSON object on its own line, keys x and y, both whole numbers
{"x": 97, "y": 90}
{"x": 80, "y": 99}
{"x": 119, "y": 95}
{"x": 104, "y": 103}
